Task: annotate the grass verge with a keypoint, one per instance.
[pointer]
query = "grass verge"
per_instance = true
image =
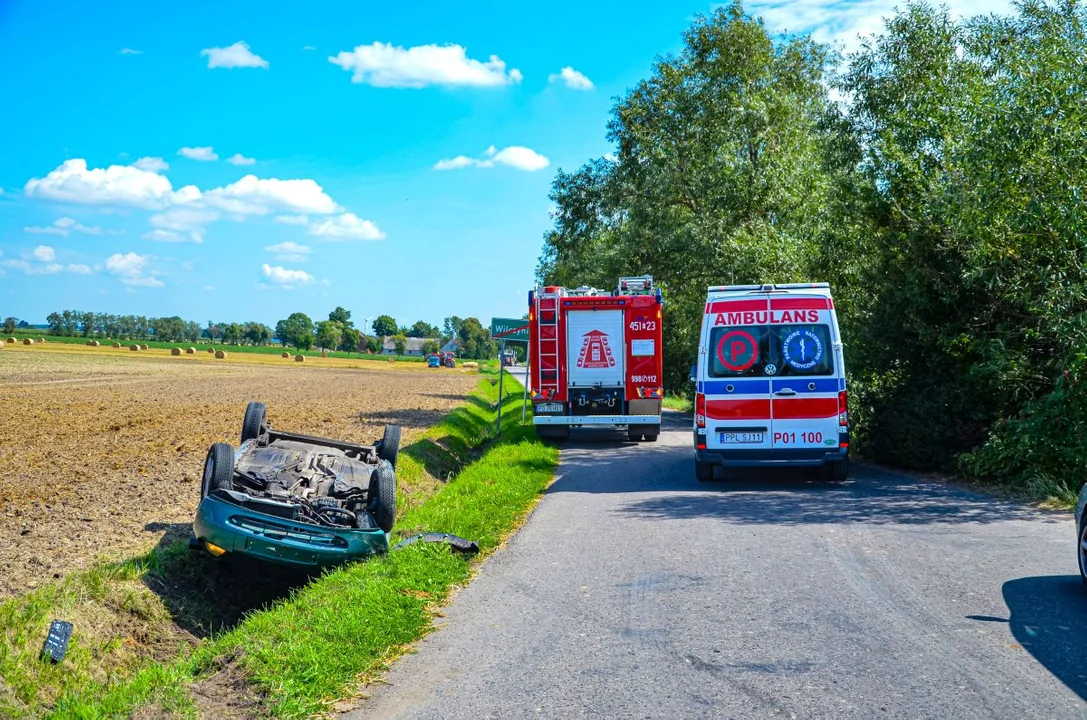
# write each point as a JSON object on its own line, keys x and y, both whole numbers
{"x": 676, "y": 402}
{"x": 136, "y": 650}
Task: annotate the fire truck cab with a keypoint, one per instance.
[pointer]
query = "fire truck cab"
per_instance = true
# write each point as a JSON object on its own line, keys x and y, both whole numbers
{"x": 595, "y": 358}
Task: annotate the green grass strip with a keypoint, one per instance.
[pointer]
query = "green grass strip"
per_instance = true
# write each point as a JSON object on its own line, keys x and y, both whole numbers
{"x": 307, "y": 651}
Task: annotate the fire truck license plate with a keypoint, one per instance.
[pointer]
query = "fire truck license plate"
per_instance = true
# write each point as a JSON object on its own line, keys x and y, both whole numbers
{"x": 549, "y": 407}
{"x": 741, "y": 438}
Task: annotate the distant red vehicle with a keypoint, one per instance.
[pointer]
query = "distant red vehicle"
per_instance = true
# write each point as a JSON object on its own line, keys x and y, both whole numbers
{"x": 596, "y": 359}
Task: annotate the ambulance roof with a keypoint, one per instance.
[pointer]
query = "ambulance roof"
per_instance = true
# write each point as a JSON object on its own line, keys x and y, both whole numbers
{"x": 734, "y": 291}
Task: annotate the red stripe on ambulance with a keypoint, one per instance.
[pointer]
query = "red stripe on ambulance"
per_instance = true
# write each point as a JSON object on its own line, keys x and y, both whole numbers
{"x": 801, "y": 304}
{"x": 739, "y": 409}
{"x": 805, "y": 408}
{"x": 735, "y": 306}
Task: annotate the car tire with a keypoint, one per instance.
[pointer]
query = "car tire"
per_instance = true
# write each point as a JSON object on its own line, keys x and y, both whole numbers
{"x": 383, "y": 501}
{"x": 839, "y": 472}
{"x": 255, "y": 423}
{"x": 389, "y": 449}
{"x": 634, "y": 435}
{"x": 650, "y": 438}
{"x": 218, "y": 470}
{"x": 703, "y": 471}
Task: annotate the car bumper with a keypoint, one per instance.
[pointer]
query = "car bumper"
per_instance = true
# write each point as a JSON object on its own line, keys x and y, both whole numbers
{"x": 596, "y": 419}
{"x": 792, "y": 457}
{"x": 283, "y": 542}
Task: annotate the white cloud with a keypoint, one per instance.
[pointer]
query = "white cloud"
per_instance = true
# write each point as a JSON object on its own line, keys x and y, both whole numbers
{"x": 79, "y": 269}
{"x": 129, "y": 268}
{"x": 63, "y": 227}
{"x": 151, "y": 164}
{"x": 1, "y": 191}
{"x": 573, "y": 79}
{"x": 290, "y": 251}
{"x": 117, "y": 184}
{"x": 286, "y": 278}
{"x": 209, "y": 288}
{"x": 253, "y": 196}
{"x": 127, "y": 265}
{"x": 239, "y": 159}
{"x": 292, "y": 219}
{"x": 203, "y": 154}
{"x": 160, "y": 235}
{"x": 459, "y": 161}
{"x": 130, "y": 51}
{"x": 237, "y": 55}
{"x": 845, "y": 22}
{"x": 515, "y": 156}
{"x": 182, "y": 220}
{"x": 45, "y": 254}
{"x": 346, "y": 227}
{"x": 143, "y": 282}
{"x": 308, "y": 47}
{"x": 50, "y": 268}
{"x": 385, "y": 65}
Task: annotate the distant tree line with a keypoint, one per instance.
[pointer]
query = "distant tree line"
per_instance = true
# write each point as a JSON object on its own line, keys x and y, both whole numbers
{"x": 940, "y": 191}
{"x": 298, "y": 330}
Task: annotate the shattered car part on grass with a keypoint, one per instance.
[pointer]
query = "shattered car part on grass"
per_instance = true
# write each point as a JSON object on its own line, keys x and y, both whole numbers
{"x": 455, "y": 543}
{"x": 297, "y": 500}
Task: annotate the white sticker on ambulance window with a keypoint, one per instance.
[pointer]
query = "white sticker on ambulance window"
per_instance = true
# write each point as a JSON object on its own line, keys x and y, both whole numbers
{"x": 640, "y": 348}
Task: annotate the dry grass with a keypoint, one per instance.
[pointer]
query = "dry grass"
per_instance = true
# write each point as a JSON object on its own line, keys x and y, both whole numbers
{"x": 108, "y": 450}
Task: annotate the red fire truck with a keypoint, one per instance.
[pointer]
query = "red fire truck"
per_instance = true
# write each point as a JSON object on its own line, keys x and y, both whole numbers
{"x": 595, "y": 358}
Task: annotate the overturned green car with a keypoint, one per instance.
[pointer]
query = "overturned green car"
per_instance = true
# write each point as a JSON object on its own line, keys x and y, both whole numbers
{"x": 295, "y": 500}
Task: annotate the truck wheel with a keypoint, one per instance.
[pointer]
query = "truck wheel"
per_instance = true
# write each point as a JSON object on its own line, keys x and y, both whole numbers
{"x": 634, "y": 433}
{"x": 1083, "y": 549}
{"x": 383, "y": 499}
{"x": 218, "y": 470}
{"x": 389, "y": 448}
{"x": 703, "y": 471}
{"x": 839, "y": 472}
{"x": 652, "y": 437}
{"x": 255, "y": 422}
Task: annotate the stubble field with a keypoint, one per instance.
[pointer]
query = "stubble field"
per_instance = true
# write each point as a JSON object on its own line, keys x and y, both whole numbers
{"x": 101, "y": 450}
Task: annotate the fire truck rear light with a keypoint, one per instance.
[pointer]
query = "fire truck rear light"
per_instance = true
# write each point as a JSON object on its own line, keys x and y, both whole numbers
{"x": 843, "y": 408}
{"x": 700, "y": 410}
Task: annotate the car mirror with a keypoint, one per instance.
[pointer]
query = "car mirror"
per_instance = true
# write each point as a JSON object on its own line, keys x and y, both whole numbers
{"x": 692, "y": 378}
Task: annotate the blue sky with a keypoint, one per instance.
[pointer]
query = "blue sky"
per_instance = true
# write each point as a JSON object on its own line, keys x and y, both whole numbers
{"x": 245, "y": 160}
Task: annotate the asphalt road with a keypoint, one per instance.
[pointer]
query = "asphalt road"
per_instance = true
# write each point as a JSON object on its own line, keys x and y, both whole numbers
{"x": 635, "y": 591}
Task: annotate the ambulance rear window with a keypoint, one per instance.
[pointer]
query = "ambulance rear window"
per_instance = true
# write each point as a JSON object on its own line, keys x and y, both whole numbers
{"x": 771, "y": 350}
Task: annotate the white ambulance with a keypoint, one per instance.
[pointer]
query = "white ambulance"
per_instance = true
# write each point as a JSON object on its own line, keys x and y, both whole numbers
{"x": 770, "y": 381}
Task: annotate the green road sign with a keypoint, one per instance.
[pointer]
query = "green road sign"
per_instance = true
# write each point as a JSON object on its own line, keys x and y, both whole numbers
{"x": 509, "y": 329}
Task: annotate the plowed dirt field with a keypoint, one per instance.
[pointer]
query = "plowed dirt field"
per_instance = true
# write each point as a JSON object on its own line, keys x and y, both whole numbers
{"x": 101, "y": 450}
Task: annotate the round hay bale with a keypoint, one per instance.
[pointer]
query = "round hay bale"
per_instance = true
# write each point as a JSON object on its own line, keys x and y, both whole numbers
{"x": 133, "y": 348}
{"x": 211, "y": 350}
{"x": 285, "y": 355}
{"x": 28, "y": 341}
{"x": 11, "y": 340}
{"x": 471, "y": 365}
{"x": 175, "y": 351}
{"x": 219, "y": 355}
{"x": 300, "y": 358}
{"x": 190, "y": 351}
{"x": 143, "y": 347}
{"x": 93, "y": 343}
{"x": 116, "y": 344}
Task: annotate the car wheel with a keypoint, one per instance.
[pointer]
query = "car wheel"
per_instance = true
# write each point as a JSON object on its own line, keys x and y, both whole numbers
{"x": 650, "y": 438}
{"x": 218, "y": 470}
{"x": 255, "y": 423}
{"x": 383, "y": 500}
{"x": 839, "y": 472}
{"x": 390, "y": 444}
{"x": 703, "y": 471}
{"x": 634, "y": 435}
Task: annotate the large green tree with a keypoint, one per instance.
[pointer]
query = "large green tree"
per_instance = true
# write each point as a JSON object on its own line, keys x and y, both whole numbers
{"x": 297, "y": 331}
{"x": 385, "y": 325}
{"x": 719, "y": 177}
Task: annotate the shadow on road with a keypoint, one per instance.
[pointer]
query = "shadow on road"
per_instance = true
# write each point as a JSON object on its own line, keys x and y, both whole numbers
{"x": 603, "y": 462}
{"x": 1049, "y": 619}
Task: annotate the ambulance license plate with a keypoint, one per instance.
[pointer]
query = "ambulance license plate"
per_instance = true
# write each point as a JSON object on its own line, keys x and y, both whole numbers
{"x": 741, "y": 438}
{"x": 549, "y": 407}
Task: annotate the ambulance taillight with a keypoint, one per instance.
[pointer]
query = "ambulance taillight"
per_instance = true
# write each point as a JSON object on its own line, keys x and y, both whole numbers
{"x": 843, "y": 408}
{"x": 700, "y": 410}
